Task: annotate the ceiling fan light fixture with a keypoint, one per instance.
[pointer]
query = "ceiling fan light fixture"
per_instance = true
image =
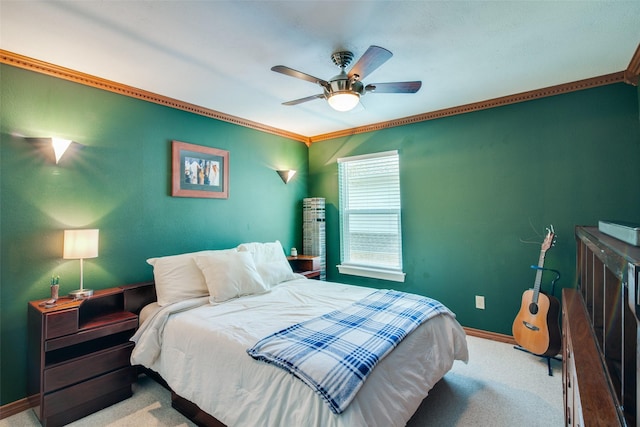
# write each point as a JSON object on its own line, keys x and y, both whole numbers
{"x": 344, "y": 90}
{"x": 344, "y": 101}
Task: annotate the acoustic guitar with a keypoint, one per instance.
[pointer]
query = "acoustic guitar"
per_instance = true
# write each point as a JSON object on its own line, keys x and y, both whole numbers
{"x": 536, "y": 327}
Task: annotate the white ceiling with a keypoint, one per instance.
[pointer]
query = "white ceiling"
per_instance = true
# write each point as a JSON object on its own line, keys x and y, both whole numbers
{"x": 218, "y": 54}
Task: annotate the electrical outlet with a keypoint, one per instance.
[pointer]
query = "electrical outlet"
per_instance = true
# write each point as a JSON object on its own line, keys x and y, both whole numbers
{"x": 480, "y": 302}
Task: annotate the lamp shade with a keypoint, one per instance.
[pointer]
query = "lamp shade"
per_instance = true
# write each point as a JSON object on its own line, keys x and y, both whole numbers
{"x": 80, "y": 244}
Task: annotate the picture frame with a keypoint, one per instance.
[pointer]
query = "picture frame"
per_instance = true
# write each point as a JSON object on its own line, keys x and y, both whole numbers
{"x": 199, "y": 171}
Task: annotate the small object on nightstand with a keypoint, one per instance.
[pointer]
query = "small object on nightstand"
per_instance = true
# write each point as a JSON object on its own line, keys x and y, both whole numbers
{"x": 50, "y": 303}
{"x": 54, "y": 292}
{"x": 294, "y": 252}
{"x": 55, "y": 286}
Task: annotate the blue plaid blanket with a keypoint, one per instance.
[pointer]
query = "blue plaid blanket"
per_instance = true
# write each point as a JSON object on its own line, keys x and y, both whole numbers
{"x": 335, "y": 353}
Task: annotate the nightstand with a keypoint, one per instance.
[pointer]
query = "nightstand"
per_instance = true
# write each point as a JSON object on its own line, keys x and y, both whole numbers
{"x": 79, "y": 355}
{"x": 307, "y": 265}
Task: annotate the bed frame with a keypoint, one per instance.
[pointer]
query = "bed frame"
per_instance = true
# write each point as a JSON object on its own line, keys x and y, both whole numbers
{"x": 137, "y": 296}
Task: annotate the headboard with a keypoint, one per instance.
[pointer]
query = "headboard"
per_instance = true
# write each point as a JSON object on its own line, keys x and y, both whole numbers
{"x": 137, "y": 295}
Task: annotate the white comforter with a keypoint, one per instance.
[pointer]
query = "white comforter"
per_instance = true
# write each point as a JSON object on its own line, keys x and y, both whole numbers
{"x": 200, "y": 350}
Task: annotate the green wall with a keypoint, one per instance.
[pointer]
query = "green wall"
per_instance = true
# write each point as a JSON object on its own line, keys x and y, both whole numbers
{"x": 478, "y": 190}
{"x": 119, "y": 181}
{"x": 475, "y": 188}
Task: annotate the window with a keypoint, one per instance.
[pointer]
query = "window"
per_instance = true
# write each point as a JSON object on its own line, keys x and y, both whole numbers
{"x": 370, "y": 229}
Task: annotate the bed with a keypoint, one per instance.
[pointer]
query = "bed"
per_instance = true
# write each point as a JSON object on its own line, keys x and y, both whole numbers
{"x": 196, "y": 337}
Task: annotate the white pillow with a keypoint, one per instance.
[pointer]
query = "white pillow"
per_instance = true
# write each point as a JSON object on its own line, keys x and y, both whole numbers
{"x": 148, "y": 311}
{"x": 270, "y": 261}
{"x": 273, "y": 273}
{"x": 230, "y": 275}
{"x": 178, "y": 277}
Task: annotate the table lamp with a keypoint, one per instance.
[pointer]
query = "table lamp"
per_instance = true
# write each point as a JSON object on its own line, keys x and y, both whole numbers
{"x": 80, "y": 244}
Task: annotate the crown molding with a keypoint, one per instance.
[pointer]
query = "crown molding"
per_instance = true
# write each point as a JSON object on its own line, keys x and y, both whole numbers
{"x": 630, "y": 75}
{"x": 633, "y": 70}
{"x": 49, "y": 69}
{"x": 482, "y": 105}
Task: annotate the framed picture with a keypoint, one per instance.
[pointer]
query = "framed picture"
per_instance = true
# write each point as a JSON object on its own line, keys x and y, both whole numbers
{"x": 199, "y": 171}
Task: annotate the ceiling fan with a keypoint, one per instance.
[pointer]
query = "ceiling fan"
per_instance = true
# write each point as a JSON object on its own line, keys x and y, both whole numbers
{"x": 344, "y": 90}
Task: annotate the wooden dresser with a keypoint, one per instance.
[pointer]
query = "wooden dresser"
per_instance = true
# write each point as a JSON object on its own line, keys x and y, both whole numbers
{"x": 600, "y": 333}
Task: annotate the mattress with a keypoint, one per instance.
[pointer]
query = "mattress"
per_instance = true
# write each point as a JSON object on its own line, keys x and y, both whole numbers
{"x": 200, "y": 348}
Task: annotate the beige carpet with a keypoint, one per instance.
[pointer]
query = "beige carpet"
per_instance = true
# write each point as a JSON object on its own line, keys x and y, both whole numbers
{"x": 500, "y": 386}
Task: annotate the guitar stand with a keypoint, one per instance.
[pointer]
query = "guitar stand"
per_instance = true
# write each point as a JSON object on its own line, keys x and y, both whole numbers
{"x": 517, "y": 347}
{"x": 553, "y": 288}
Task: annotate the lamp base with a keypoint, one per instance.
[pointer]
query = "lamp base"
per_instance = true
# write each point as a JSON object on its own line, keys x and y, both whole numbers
{"x": 81, "y": 293}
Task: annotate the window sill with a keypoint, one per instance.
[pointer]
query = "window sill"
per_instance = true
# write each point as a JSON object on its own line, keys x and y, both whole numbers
{"x": 374, "y": 273}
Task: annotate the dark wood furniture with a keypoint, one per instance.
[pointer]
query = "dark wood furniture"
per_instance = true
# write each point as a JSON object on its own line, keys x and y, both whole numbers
{"x": 585, "y": 382}
{"x": 307, "y": 265}
{"x": 78, "y": 352}
{"x": 193, "y": 412}
{"x": 600, "y": 332}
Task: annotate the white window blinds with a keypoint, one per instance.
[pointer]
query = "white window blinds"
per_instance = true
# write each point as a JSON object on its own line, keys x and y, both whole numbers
{"x": 371, "y": 239}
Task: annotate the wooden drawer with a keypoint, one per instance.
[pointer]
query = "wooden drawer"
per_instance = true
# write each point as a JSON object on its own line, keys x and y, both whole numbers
{"x": 68, "y": 398}
{"x": 80, "y": 369}
{"x": 60, "y": 323}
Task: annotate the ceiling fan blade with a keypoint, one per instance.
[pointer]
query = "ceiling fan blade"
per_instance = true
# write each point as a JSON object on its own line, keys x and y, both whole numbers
{"x": 374, "y": 57}
{"x": 394, "y": 87}
{"x": 299, "y": 75}
{"x": 301, "y": 100}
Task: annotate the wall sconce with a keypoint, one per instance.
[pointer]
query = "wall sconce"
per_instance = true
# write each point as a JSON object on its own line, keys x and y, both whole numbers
{"x": 59, "y": 147}
{"x": 80, "y": 244}
{"x": 286, "y": 175}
